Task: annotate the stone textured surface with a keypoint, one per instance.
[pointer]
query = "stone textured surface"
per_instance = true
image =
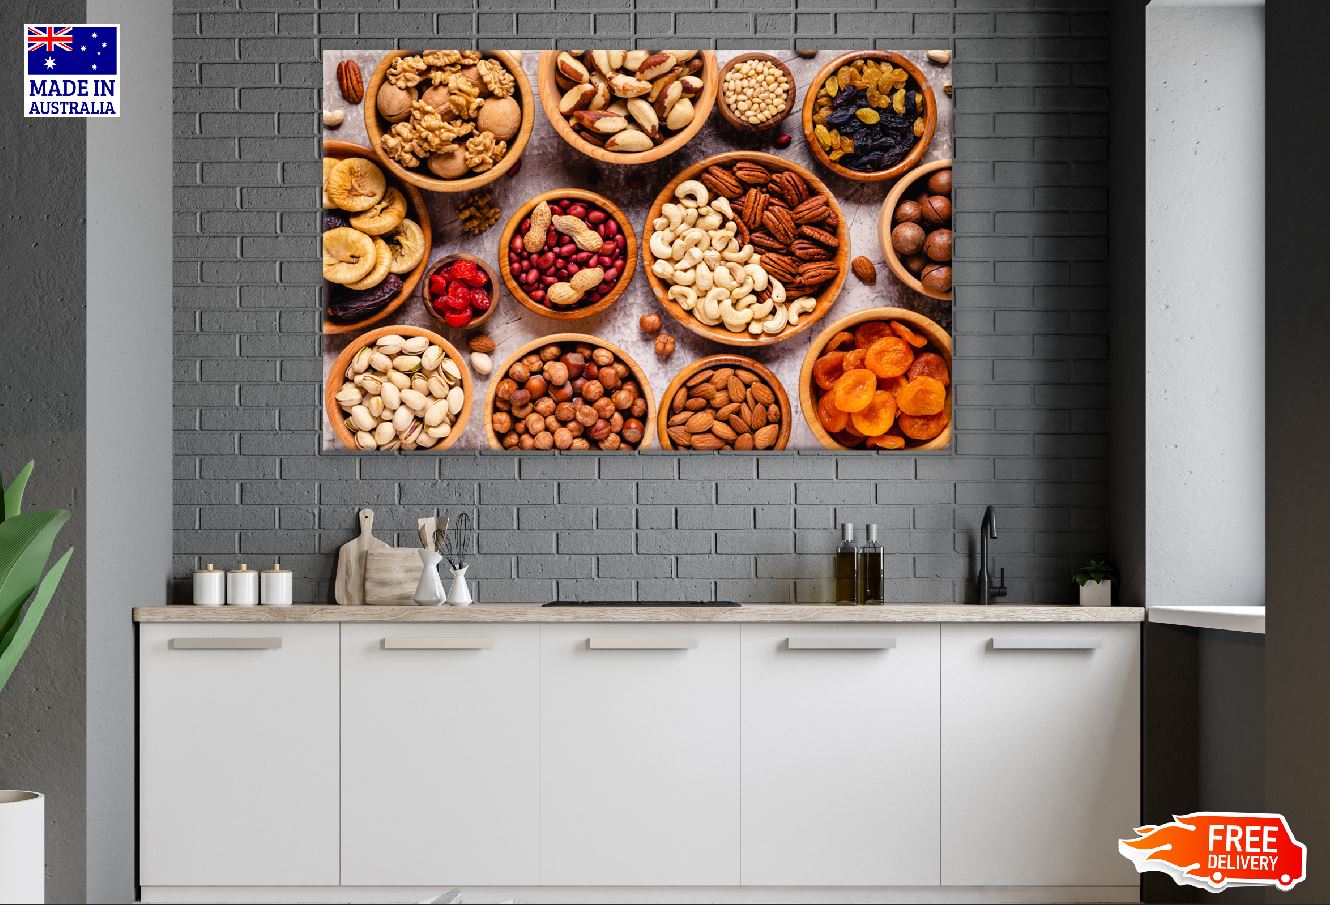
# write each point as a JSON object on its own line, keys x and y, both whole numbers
{"x": 1030, "y": 323}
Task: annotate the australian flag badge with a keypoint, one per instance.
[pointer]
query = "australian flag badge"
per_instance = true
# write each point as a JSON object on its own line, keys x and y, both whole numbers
{"x": 71, "y": 70}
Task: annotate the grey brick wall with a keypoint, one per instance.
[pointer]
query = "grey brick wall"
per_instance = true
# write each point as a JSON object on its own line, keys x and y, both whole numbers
{"x": 1030, "y": 323}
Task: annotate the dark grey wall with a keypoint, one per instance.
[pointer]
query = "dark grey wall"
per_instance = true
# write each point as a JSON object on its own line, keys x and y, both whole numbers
{"x": 1297, "y": 670}
{"x": 1031, "y": 323}
{"x": 42, "y": 407}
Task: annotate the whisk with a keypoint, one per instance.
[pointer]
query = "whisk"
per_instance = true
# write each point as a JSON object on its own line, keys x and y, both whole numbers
{"x": 459, "y": 541}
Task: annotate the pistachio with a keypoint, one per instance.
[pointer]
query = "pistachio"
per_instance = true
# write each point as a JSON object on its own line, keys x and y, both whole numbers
{"x": 429, "y": 361}
{"x": 415, "y": 345}
{"x": 407, "y": 364}
{"x": 436, "y": 413}
{"x": 361, "y": 419}
{"x": 456, "y": 399}
{"x": 452, "y": 370}
{"x": 481, "y": 363}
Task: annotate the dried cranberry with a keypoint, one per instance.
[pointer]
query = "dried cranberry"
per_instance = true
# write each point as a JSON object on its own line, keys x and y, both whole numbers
{"x": 457, "y": 318}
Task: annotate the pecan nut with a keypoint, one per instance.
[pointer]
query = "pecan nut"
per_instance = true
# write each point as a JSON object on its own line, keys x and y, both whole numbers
{"x": 805, "y": 250}
{"x": 722, "y": 182}
{"x": 781, "y": 266}
{"x": 351, "y": 81}
{"x": 754, "y": 208}
{"x": 791, "y": 187}
{"x": 811, "y": 211}
{"x": 780, "y": 224}
{"x": 764, "y": 243}
{"x": 752, "y": 173}
{"x": 815, "y": 273}
{"x": 820, "y": 235}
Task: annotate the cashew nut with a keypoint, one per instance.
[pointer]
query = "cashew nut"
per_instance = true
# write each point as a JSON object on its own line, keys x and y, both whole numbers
{"x": 733, "y": 319}
{"x": 758, "y": 276}
{"x": 663, "y": 268}
{"x": 777, "y": 291}
{"x": 674, "y": 213}
{"x": 722, "y": 204}
{"x": 691, "y": 258}
{"x": 689, "y": 216}
{"x": 739, "y": 255}
{"x": 762, "y": 310}
{"x": 744, "y": 288}
{"x": 684, "y": 295}
{"x": 801, "y": 306}
{"x": 724, "y": 279}
{"x": 777, "y": 321}
{"x": 711, "y": 257}
{"x": 660, "y": 243}
{"x": 710, "y": 220}
{"x": 683, "y": 277}
{"x": 660, "y": 223}
{"x": 708, "y": 310}
{"x": 692, "y": 193}
{"x": 704, "y": 280}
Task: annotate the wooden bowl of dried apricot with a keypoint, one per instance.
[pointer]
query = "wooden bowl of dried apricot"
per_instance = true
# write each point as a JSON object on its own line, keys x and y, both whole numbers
{"x": 879, "y": 379}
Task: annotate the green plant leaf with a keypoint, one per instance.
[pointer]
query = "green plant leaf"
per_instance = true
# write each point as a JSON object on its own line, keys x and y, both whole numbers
{"x": 13, "y": 494}
{"x": 27, "y": 627}
{"x": 25, "y": 546}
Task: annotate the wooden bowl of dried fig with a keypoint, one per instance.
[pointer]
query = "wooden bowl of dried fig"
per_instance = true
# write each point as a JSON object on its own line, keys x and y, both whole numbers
{"x": 724, "y": 402}
{"x": 569, "y": 391}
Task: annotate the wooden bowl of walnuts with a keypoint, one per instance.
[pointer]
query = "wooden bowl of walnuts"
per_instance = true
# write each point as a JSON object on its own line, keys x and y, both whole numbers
{"x": 569, "y": 391}
{"x": 627, "y": 106}
{"x": 389, "y": 97}
{"x": 915, "y": 230}
{"x": 724, "y": 402}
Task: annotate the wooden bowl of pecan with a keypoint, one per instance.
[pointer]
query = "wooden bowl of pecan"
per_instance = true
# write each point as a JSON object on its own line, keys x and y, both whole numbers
{"x": 782, "y": 263}
{"x": 463, "y": 140}
{"x": 724, "y": 402}
{"x": 569, "y": 391}
{"x": 627, "y": 106}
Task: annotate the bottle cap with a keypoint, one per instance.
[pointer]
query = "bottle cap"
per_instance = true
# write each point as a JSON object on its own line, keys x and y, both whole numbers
{"x": 276, "y": 569}
{"x": 210, "y": 568}
{"x": 847, "y": 531}
{"x": 872, "y": 533}
{"x": 243, "y": 568}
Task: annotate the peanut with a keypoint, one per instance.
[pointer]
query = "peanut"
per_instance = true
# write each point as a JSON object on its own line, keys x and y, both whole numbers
{"x": 583, "y": 236}
{"x": 534, "y": 240}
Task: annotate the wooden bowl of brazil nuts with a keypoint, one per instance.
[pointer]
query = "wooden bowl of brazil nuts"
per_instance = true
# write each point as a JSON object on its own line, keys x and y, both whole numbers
{"x": 939, "y": 342}
{"x": 826, "y": 294}
{"x": 715, "y": 379}
{"x": 422, "y": 176}
{"x": 337, "y": 376}
{"x": 567, "y": 342}
{"x": 908, "y": 186}
{"x": 340, "y": 150}
{"x": 734, "y": 119}
{"x": 553, "y": 86}
{"x": 510, "y": 232}
{"x": 916, "y": 153}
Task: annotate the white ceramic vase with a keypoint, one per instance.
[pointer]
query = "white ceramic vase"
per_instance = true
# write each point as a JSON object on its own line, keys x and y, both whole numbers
{"x": 1097, "y": 593}
{"x": 429, "y": 590}
{"x": 22, "y": 846}
{"x": 459, "y": 594}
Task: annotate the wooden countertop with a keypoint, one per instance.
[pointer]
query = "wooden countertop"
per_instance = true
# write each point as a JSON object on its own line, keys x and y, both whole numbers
{"x": 746, "y": 613}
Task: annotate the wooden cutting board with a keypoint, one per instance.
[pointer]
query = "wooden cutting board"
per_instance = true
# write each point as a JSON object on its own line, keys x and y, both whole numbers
{"x": 391, "y": 576}
{"x": 349, "y": 589}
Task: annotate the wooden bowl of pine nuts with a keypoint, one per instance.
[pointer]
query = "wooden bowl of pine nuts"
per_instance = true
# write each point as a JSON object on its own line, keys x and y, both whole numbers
{"x": 756, "y": 92}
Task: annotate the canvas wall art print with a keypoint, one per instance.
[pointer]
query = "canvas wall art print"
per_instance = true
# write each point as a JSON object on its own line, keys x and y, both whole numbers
{"x": 627, "y": 250}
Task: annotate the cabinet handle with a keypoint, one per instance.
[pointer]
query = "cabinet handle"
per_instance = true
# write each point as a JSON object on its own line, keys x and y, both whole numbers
{"x": 641, "y": 643}
{"x": 1021, "y": 643}
{"x": 225, "y": 644}
{"x": 438, "y": 643}
{"x": 871, "y": 643}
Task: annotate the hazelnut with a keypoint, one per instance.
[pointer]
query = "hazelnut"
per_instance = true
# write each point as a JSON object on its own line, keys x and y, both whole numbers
{"x": 534, "y": 423}
{"x": 505, "y": 388}
{"x": 908, "y": 212}
{"x": 938, "y": 245}
{"x": 519, "y": 372}
{"x": 609, "y": 378}
{"x": 520, "y": 397}
{"x": 550, "y": 352}
{"x": 586, "y": 416}
{"x": 604, "y": 406}
{"x": 533, "y": 362}
{"x": 632, "y": 431}
{"x": 593, "y": 390}
{"x": 564, "y": 411}
{"x": 907, "y": 238}
{"x": 580, "y": 444}
{"x": 622, "y": 398}
{"x": 638, "y": 408}
{"x": 664, "y": 345}
{"x": 561, "y": 393}
{"x": 509, "y": 441}
{"x": 937, "y": 278}
{"x": 940, "y": 182}
{"x": 503, "y": 422}
{"x": 616, "y": 422}
{"x": 544, "y": 440}
{"x": 937, "y": 210}
{"x": 563, "y": 438}
{"x": 556, "y": 372}
{"x": 602, "y": 357}
{"x": 599, "y": 430}
{"x": 536, "y": 385}
{"x": 526, "y": 441}
{"x": 611, "y": 442}
{"x": 575, "y": 362}
{"x": 545, "y": 406}
{"x": 649, "y": 323}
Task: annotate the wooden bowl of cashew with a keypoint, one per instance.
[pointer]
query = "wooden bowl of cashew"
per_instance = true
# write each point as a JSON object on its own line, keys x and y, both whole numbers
{"x": 822, "y": 301}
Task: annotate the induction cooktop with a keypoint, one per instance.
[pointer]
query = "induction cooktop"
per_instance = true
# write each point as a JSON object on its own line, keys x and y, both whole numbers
{"x": 640, "y": 603}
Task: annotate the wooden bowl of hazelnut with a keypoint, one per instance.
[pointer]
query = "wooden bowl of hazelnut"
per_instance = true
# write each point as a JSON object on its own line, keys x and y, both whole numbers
{"x": 756, "y": 92}
{"x": 915, "y": 230}
{"x": 569, "y": 391}
{"x": 504, "y": 108}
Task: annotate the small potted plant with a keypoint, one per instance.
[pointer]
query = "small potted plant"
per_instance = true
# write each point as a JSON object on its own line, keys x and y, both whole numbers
{"x": 1096, "y": 583}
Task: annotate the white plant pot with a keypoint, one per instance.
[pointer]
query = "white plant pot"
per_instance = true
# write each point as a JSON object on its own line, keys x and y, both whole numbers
{"x": 1097, "y": 593}
{"x": 22, "y": 847}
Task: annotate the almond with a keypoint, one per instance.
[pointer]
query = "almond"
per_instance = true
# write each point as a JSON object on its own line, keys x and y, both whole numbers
{"x": 739, "y": 423}
{"x": 735, "y": 387}
{"x": 724, "y": 431}
{"x": 699, "y": 377}
{"x": 700, "y": 422}
{"x": 764, "y": 438}
{"x": 743, "y": 441}
{"x": 864, "y": 270}
{"x": 679, "y": 437}
{"x": 678, "y": 418}
{"x": 762, "y": 393}
{"x": 481, "y": 343}
{"x": 708, "y": 441}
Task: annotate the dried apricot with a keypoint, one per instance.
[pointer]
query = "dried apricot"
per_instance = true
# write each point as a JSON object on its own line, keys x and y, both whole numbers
{"x": 867, "y": 334}
{"x": 854, "y": 390}
{"x": 908, "y": 335}
{"x": 828, "y": 368}
{"x": 855, "y": 359}
{"x": 889, "y": 356}
{"x": 832, "y": 418}
{"x": 931, "y": 364}
{"x": 842, "y": 340}
{"x": 924, "y": 396}
{"x": 886, "y": 441}
{"x": 891, "y": 384}
{"x": 846, "y": 439}
{"x": 877, "y": 417}
{"x": 923, "y": 427}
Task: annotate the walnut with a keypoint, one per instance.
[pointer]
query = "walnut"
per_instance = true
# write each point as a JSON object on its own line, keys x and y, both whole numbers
{"x": 400, "y": 145}
{"x": 477, "y": 212}
{"x": 406, "y": 72}
{"x": 497, "y": 78}
{"x": 464, "y": 97}
{"x": 441, "y": 58}
{"x": 483, "y": 152}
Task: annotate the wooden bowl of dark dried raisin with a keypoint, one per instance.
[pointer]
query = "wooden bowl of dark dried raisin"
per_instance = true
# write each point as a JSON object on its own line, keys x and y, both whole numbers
{"x": 869, "y": 116}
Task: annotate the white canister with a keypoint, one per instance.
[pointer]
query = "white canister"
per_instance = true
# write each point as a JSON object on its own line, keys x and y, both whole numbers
{"x": 275, "y": 586}
{"x": 242, "y": 586}
{"x": 209, "y": 586}
{"x": 22, "y": 846}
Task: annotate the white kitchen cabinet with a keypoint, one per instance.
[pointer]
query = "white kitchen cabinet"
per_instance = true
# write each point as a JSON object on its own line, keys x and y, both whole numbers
{"x": 639, "y": 754}
{"x": 238, "y": 755}
{"x": 840, "y": 755}
{"x": 1040, "y": 754}
{"x": 440, "y": 754}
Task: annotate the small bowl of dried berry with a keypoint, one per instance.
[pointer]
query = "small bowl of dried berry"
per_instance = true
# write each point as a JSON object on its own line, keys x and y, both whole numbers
{"x": 461, "y": 291}
{"x": 869, "y": 116}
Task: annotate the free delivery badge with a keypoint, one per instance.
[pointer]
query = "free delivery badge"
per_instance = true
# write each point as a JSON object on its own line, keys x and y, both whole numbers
{"x": 71, "y": 70}
{"x": 1215, "y": 849}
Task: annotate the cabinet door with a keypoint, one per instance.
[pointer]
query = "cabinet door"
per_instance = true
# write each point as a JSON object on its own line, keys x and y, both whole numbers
{"x": 440, "y": 780}
{"x": 238, "y": 755}
{"x": 640, "y": 755}
{"x": 840, "y": 755}
{"x": 1040, "y": 753}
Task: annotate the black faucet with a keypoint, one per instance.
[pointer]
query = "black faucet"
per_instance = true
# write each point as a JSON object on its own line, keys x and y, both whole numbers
{"x": 988, "y": 590}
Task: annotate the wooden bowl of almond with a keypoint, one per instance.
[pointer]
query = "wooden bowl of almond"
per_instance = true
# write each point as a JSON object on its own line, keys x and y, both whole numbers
{"x": 724, "y": 402}
{"x": 627, "y": 106}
